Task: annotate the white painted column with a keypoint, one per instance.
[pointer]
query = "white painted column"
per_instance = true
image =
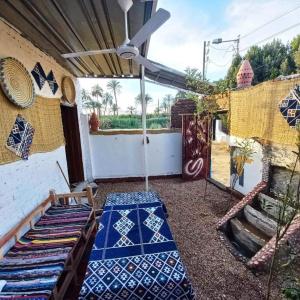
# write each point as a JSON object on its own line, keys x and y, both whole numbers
{"x": 142, "y": 85}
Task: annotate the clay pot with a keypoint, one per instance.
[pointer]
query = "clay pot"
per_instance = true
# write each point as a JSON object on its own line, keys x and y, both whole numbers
{"x": 245, "y": 75}
{"x": 94, "y": 122}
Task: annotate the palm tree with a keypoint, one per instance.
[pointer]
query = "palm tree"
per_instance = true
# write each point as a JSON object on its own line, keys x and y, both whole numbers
{"x": 86, "y": 99}
{"x": 107, "y": 100}
{"x": 84, "y": 95}
{"x": 115, "y": 87}
{"x": 91, "y": 105}
{"x": 181, "y": 95}
{"x": 138, "y": 99}
{"x": 97, "y": 92}
{"x": 157, "y": 109}
{"x": 114, "y": 108}
{"x": 131, "y": 110}
{"x": 98, "y": 106}
{"x": 164, "y": 107}
{"x": 167, "y": 101}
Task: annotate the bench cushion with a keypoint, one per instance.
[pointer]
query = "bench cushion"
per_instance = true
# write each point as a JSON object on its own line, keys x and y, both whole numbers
{"x": 32, "y": 267}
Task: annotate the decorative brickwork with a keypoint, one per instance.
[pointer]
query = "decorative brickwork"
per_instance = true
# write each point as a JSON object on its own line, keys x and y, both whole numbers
{"x": 266, "y": 163}
{"x": 181, "y": 106}
{"x": 262, "y": 258}
{"x": 239, "y": 206}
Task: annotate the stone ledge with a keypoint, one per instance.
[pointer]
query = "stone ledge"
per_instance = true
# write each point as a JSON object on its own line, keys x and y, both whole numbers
{"x": 134, "y": 131}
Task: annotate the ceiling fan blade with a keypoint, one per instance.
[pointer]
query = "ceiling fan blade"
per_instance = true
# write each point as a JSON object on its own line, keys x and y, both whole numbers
{"x": 146, "y": 63}
{"x": 88, "y": 53}
{"x": 158, "y": 19}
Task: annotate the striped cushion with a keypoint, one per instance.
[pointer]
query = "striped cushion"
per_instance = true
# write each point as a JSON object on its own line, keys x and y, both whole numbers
{"x": 32, "y": 267}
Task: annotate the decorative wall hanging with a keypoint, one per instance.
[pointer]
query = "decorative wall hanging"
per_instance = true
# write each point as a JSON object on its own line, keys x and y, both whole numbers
{"x": 245, "y": 75}
{"x": 16, "y": 82}
{"x": 68, "y": 89}
{"x": 52, "y": 82}
{"x": 196, "y": 149}
{"x": 20, "y": 137}
{"x": 44, "y": 116}
{"x": 39, "y": 75}
{"x": 290, "y": 107}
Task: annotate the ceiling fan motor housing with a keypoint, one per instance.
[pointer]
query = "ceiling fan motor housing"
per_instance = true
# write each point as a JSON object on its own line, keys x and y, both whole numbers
{"x": 127, "y": 51}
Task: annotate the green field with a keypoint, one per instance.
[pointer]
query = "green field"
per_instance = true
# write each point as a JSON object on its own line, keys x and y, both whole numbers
{"x": 134, "y": 122}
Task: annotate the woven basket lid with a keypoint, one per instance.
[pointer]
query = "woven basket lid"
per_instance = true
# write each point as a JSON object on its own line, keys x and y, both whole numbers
{"x": 68, "y": 89}
{"x": 16, "y": 82}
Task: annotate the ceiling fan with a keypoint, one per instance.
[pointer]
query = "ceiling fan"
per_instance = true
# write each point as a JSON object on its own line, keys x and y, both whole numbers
{"x": 129, "y": 48}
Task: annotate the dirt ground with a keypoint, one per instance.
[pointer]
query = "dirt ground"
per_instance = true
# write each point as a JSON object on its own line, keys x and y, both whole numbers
{"x": 213, "y": 271}
{"x": 220, "y": 162}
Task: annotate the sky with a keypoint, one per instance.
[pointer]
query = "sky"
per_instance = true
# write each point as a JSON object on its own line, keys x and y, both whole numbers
{"x": 179, "y": 42}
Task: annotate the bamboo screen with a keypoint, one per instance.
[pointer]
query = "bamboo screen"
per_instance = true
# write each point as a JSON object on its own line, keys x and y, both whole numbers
{"x": 254, "y": 112}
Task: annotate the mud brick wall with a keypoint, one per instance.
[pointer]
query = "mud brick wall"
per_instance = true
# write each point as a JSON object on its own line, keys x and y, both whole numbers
{"x": 266, "y": 164}
{"x": 181, "y": 106}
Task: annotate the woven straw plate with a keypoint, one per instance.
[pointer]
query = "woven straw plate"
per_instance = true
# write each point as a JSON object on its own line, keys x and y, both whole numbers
{"x": 16, "y": 82}
{"x": 68, "y": 89}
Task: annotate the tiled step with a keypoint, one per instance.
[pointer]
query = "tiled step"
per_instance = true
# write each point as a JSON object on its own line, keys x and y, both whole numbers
{"x": 247, "y": 236}
{"x": 260, "y": 221}
{"x": 272, "y": 206}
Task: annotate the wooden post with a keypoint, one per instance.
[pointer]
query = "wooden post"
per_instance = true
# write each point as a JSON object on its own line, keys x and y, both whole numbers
{"x": 52, "y": 196}
{"x": 90, "y": 196}
{"x": 208, "y": 151}
{"x": 89, "y": 193}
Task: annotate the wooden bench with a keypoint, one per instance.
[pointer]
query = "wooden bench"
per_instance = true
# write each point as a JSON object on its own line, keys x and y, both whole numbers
{"x": 58, "y": 205}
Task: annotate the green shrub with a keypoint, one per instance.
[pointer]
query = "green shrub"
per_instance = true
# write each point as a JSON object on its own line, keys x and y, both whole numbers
{"x": 155, "y": 126}
{"x": 133, "y": 122}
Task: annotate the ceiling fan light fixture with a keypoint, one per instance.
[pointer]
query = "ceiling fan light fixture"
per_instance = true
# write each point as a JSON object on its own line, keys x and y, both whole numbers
{"x": 128, "y": 52}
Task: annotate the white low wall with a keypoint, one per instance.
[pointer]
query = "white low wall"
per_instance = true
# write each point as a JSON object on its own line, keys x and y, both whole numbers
{"x": 24, "y": 184}
{"x": 121, "y": 155}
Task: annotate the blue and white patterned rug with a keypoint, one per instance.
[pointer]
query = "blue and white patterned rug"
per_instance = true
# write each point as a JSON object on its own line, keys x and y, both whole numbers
{"x": 133, "y": 200}
{"x": 134, "y": 255}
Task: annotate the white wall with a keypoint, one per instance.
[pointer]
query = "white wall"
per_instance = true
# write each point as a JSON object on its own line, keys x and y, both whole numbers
{"x": 116, "y": 156}
{"x": 220, "y": 136}
{"x": 24, "y": 184}
{"x": 253, "y": 171}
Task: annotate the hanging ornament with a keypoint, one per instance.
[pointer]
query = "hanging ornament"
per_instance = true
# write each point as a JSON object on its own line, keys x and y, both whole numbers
{"x": 245, "y": 75}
